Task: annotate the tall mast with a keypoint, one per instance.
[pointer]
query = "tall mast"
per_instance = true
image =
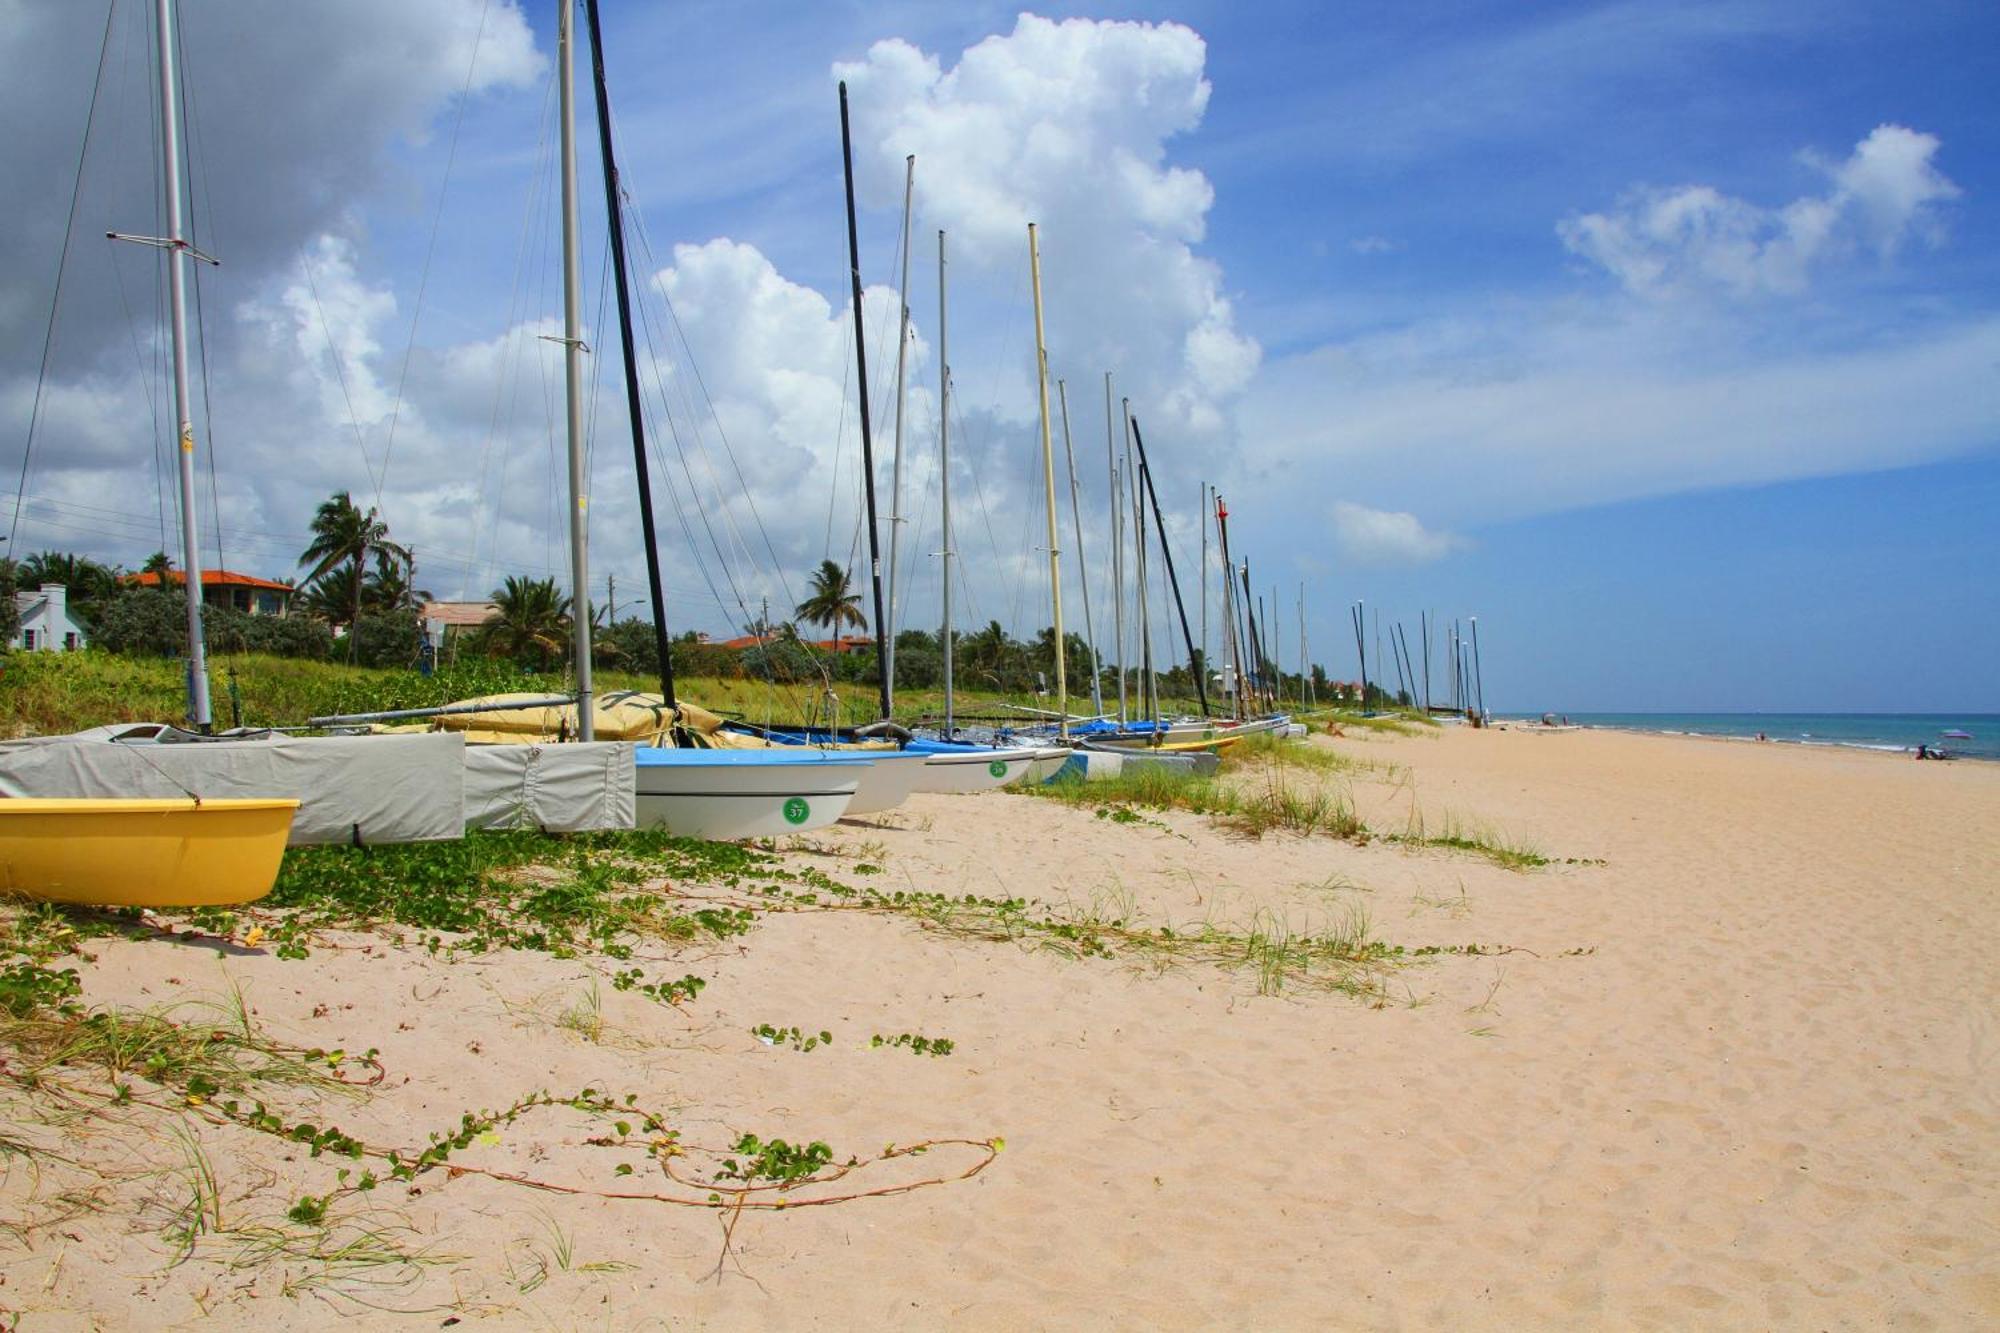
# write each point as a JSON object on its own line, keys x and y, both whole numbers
{"x": 614, "y": 210}
{"x": 176, "y": 246}
{"x": 1117, "y": 546}
{"x": 861, "y": 372}
{"x": 1478, "y": 676}
{"x": 1082, "y": 566}
{"x": 1305, "y": 679}
{"x": 896, "y": 467}
{"x": 572, "y": 340}
{"x": 1424, "y": 628}
{"x": 1049, "y": 484}
{"x": 1229, "y": 630}
{"x": 1167, "y": 554}
{"x": 1203, "y": 511}
{"x": 1255, "y": 635}
{"x": 1357, "y": 614}
{"x": 944, "y": 480}
{"x": 1148, "y": 690}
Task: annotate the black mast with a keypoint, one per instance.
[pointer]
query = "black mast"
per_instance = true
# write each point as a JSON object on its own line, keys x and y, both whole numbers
{"x": 615, "y": 215}
{"x": 1197, "y": 668}
{"x": 861, "y": 364}
{"x": 1256, "y": 644}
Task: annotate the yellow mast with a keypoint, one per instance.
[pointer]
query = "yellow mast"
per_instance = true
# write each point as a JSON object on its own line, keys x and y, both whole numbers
{"x": 1049, "y": 483}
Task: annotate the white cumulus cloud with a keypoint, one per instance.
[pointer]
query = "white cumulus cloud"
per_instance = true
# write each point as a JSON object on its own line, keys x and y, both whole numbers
{"x": 1660, "y": 241}
{"x": 1067, "y": 125}
{"x": 1383, "y": 537}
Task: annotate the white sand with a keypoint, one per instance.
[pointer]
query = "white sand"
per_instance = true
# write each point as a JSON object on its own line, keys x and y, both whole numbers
{"x": 1765, "y": 1098}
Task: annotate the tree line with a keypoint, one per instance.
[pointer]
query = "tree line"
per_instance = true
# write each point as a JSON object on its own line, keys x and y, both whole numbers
{"x": 357, "y": 600}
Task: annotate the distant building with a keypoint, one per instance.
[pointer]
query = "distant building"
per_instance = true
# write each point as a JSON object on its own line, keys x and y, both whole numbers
{"x": 463, "y": 614}
{"x": 225, "y": 587}
{"x": 854, "y": 643}
{"x": 441, "y": 623}
{"x": 45, "y": 622}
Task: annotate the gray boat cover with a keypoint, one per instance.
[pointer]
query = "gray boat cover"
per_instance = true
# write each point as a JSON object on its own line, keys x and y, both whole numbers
{"x": 366, "y": 789}
{"x": 562, "y": 788}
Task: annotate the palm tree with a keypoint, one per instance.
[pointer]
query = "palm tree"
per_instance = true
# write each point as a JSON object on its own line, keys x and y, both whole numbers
{"x": 343, "y": 534}
{"x": 160, "y": 565}
{"x": 389, "y": 587}
{"x": 986, "y": 648}
{"x": 330, "y": 597}
{"x": 531, "y": 620}
{"x": 831, "y": 604}
{"x": 86, "y": 579}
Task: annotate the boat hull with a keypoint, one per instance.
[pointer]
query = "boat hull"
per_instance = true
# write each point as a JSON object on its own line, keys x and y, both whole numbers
{"x": 721, "y": 795}
{"x": 966, "y": 771}
{"x": 889, "y": 776}
{"x": 142, "y": 852}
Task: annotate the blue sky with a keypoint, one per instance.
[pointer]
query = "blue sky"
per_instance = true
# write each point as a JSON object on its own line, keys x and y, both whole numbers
{"x": 1666, "y": 339}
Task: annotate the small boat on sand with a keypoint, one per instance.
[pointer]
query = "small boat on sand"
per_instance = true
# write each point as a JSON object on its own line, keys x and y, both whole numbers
{"x": 720, "y": 794}
{"x": 142, "y": 852}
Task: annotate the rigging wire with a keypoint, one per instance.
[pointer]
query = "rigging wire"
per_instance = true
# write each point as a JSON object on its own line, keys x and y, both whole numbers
{"x": 339, "y": 371}
{"x": 62, "y": 265}
{"x": 195, "y": 153}
{"x": 430, "y": 248}
{"x": 512, "y": 350}
{"x": 152, "y": 387}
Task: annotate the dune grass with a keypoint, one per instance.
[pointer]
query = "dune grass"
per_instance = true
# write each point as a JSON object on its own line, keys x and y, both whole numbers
{"x": 1253, "y": 803}
{"x": 1450, "y": 833}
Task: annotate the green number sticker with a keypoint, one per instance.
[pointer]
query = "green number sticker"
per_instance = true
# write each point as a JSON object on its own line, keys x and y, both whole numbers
{"x": 796, "y": 810}
{"x": 998, "y": 768}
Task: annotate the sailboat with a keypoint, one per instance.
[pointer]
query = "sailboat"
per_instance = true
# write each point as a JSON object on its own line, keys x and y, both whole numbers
{"x": 899, "y": 762}
{"x": 132, "y": 852}
{"x": 689, "y": 778}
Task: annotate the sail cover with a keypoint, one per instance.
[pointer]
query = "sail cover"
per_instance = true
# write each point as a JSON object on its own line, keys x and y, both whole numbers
{"x": 357, "y": 789}
{"x": 557, "y": 788}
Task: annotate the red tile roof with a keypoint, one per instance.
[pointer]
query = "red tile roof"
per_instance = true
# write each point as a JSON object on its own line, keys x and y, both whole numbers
{"x": 211, "y": 578}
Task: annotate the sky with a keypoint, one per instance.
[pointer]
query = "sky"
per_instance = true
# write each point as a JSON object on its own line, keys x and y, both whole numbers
{"x": 1665, "y": 340}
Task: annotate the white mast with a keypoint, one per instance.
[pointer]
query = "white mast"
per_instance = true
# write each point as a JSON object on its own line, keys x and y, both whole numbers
{"x": 176, "y": 245}
{"x": 1082, "y": 567}
{"x": 1117, "y": 544}
{"x": 944, "y": 481}
{"x": 572, "y": 341}
{"x": 896, "y": 469}
{"x": 1049, "y": 484}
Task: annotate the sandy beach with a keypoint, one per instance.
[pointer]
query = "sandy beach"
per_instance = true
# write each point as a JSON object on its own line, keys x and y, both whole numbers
{"x": 1727, "y": 1061}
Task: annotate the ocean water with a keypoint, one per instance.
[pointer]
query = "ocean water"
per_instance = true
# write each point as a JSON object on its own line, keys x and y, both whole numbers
{"x": 1866, "y": 731}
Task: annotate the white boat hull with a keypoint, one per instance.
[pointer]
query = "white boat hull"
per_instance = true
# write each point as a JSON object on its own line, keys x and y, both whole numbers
{"x": 765, "y": 801}
{"x": 974, "y": 771}
{"x": 889, "y": 779}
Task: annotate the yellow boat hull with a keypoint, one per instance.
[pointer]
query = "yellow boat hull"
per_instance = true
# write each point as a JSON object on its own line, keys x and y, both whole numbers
{"x": 142, "y": 853}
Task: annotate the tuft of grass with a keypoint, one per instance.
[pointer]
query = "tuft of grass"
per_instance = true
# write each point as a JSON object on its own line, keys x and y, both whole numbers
{"x": 1271, "y": 750}
{"x": 1455, "y": 835}
{"x": 1314, "y": 810}
{"x": 1272, "y": 803}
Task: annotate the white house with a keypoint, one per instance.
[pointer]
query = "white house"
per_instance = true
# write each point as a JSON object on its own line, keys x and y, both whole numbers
{"x": 45, "y": 622}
